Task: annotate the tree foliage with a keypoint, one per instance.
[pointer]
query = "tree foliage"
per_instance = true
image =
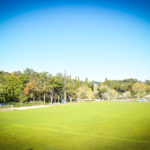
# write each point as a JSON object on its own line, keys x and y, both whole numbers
{"x": 34, "y": 86}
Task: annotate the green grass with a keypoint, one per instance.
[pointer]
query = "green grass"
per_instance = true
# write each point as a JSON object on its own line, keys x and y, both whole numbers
{"x": 82, "y": 126}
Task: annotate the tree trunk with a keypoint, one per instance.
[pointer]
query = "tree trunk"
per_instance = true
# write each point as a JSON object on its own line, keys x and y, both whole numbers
{"x": 51, "y": 98}
{"x": 33, "y": 98}
{"x": 44, "y": 98}
{"x": 65, "y": 95}
{"x": 70, "y": 99}
{"x": 61, "y": 97}
{"x": 58, "y": 98}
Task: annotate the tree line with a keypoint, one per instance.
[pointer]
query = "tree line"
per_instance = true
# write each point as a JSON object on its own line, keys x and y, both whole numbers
{"x": 30, "y": 85}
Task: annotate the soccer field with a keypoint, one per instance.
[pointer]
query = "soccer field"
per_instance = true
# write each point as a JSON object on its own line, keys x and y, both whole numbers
{"x": 79, "y": 126}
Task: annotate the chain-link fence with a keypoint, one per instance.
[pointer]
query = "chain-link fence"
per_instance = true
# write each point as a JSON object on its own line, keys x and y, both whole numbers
{"x": 6, "y": 107}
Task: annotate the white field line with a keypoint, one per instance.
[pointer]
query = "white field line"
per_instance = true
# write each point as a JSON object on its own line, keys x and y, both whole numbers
{"x": 41, "y": 106}
{"x": 30, "y": 107}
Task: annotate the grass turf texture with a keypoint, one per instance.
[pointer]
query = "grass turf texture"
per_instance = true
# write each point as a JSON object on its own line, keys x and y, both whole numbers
{"x": 81, "y": 126}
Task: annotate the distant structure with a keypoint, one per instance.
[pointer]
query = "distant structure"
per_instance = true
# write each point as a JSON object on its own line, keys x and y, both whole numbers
{"x": 96, "y": 83}
{"x": 147, "y": 97}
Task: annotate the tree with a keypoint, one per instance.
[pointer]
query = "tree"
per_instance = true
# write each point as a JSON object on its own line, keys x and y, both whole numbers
{"x": 147, "y": 89}
{"x": 42, "y": 84}
{"x": 58, "y": 89}
{"x": 101, "y": 90}
{"x": 139, "y": 89}
{"x": 31, "y": 85}
{"x": 147, "y": 82}
{"x": 29, "y": 71}
{"x": 106, "y": 92}
{"x": 86, "y": 81}
{"x": 84, "y": 92}
{"x": 29, "y": 90}
{"x": 71, "y": 90}
{"x": 13, "y": 88}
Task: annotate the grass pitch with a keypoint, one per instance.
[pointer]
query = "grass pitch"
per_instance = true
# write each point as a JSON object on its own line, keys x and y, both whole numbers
{"x": 80, "y": 126}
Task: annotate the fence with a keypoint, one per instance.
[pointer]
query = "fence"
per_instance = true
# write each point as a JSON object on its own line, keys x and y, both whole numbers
{"x": 4, "y": 107}
{"x": 10, "y": 106}
{"x": 116, "y": 100}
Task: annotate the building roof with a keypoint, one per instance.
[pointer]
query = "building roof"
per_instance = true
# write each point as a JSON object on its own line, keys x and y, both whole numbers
{"x": 147, "y": 96}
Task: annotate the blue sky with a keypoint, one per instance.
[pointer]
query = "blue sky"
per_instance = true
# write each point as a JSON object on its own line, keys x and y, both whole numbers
{"x": 94, "y": 39}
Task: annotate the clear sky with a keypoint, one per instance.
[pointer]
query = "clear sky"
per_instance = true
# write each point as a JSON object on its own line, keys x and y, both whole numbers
{"x": 94, "y": 39}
